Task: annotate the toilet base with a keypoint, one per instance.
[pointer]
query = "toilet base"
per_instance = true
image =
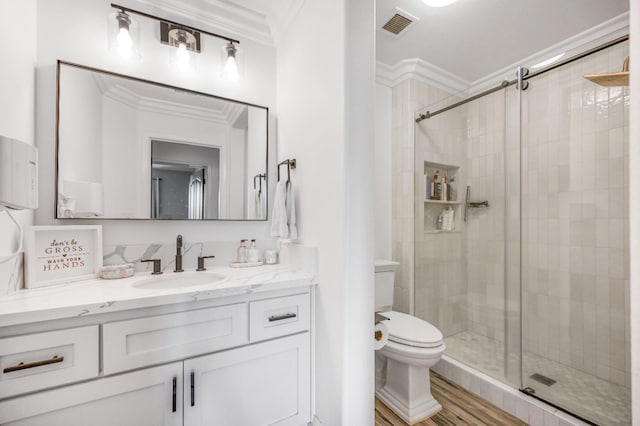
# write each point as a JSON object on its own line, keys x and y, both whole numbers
{"x": 408, "y": 392}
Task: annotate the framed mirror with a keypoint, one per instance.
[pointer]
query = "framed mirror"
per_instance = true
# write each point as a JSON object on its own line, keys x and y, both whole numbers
{"x": 129, "y": 148}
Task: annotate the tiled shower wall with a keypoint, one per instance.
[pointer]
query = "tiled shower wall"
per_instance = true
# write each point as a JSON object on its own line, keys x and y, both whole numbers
{"x": 407, "y": 97}
{"x": 441, "y": 269}
{"x": 575, "y": 218}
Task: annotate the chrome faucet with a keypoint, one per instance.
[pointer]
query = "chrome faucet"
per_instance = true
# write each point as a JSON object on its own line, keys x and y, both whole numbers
{"x": 178, "y": 254}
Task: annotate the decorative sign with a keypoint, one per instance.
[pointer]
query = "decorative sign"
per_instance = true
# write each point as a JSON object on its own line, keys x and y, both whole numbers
{"x": 60, "y": 254}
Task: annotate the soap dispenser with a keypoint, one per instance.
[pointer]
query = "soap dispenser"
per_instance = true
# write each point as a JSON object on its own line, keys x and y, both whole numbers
{"x": 242, "y": 252}
{"x": 254, "y": 255}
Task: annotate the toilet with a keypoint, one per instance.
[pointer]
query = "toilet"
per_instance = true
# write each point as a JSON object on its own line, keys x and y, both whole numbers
{"x": 414, "y": 346}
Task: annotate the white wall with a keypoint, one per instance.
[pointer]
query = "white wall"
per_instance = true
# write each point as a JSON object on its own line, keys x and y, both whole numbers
{"x": 382, "y": 149}
{"x": 17, "y": 101}
{"x": 84, "y": 40}
{"x": 80, "y": 155}
{"x": 256, "y": 150}
{"x": 634, "y": 189}
{"x": 121, "y": 171}
{"x": 311, "y": 129}
{"x": 236, "y": 175}
{"x": 327, "y": 128}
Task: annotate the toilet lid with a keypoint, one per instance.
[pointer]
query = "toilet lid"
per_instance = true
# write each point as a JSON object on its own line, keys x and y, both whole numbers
{"x": 412, "y": 331}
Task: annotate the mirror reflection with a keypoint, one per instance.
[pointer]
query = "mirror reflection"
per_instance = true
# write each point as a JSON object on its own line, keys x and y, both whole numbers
{"x": 133, "y": 149}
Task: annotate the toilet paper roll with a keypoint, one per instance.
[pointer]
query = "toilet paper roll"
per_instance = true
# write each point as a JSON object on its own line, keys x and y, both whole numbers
{"x": 381, "y": 335}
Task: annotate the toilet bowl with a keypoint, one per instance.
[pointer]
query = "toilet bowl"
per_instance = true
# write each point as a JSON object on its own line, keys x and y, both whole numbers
{"x": 413, "y": 347}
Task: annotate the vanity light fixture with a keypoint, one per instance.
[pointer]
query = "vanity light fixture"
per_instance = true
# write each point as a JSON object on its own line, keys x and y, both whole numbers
{"x": 184, "y": 37}
{"x": 438, "y": 3}
{"x": 123, "y": 34}
{"x": 231, "y": 67}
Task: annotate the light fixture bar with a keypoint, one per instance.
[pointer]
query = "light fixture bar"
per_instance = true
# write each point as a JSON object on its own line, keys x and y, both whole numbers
{"x": 187, "y": 27}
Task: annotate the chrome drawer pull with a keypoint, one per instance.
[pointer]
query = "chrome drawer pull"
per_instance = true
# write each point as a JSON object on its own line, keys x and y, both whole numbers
{"x": 22, "y": 366}
{"x": 274, "y": 318}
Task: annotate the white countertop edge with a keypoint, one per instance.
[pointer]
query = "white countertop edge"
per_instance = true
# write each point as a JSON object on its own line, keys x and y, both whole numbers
{"x": 98, "y": 296}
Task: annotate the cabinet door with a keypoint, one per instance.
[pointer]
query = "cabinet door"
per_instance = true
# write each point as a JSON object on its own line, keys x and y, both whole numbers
{"x": 141, "y": 398}
{"x": 262, "y": 384}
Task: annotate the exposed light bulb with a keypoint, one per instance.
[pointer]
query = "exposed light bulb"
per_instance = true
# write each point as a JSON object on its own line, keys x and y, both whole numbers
{"x": 123, "y": 39}
{"x": 182, "y": 55}
{"x": 438, "y": 3}
{"x": 125, "y": 43}
{"x": 231, "y": 67}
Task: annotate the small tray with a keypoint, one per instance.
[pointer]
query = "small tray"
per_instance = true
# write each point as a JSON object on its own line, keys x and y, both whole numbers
{"x": 245, "y": 264}
{"x": 112, "y": 272}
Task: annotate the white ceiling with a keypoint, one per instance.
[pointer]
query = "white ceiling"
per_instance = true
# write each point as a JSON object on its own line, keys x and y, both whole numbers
{"x": 468, "y": 40}
{"x": 474, "y": 38}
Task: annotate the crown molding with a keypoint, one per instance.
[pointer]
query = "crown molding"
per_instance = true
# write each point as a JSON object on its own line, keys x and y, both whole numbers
{"x": 226, "y": 17}
{"x": 581, "y": 42}
{"x": 421, "y": 70}
{"x": 128, "y": 97}
{"x": 281, "y": 16}
{"x": 418, "y": 69}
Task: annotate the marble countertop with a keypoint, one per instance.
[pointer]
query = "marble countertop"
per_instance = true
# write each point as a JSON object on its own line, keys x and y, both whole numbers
{"x": 98, "y": 296}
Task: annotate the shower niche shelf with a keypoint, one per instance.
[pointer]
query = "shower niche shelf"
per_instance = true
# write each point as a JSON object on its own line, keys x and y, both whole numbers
{"x": 437, "y": 231}
{"x": 433, "y": 207}
{"x": 451, "y": 203}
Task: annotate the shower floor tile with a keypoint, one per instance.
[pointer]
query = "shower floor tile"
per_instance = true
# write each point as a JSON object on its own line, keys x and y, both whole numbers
{"x": 588, "y": 396}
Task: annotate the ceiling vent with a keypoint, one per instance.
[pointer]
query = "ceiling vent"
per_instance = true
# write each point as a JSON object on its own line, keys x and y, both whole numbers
{"x": 399, "y": 22}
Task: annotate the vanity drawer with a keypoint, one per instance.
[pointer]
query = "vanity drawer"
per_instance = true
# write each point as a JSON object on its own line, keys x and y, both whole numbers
{"x": 43, "y": 360}
{"x": 153, "y": 340}
{"x": 278, "y": 317}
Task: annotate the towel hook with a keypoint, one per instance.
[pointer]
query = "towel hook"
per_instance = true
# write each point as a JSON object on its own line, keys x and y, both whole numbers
{"x": 291, "y": 164}
{"x": 260, "y": 177}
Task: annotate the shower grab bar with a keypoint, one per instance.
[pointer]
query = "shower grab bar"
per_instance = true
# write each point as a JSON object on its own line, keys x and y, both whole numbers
{"x": 468, "y": 204}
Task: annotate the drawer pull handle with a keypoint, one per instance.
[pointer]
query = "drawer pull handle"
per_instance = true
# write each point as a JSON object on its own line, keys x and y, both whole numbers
{"x": 274, "y": 318}
{"x": 175, "y": 395}
{"x": 193, "y": 389}
{"x": 22, "y": 366}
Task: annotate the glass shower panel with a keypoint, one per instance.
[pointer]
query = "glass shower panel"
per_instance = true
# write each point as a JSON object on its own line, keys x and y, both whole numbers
{"x": 460, "y": 274}
{"x": 575, "y": 274}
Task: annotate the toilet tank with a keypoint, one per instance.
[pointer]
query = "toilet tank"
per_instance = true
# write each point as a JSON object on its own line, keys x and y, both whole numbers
{"x": 385, "y": 271}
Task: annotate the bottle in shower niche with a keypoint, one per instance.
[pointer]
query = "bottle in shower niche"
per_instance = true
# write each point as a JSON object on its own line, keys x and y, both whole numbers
{"x": 242, "y": 252}
{"x": 440, "y": 223}
{"x": 448, "y": 220}
{"x": 436, "y": 194}
{"x": 428, "y": 187}
{"x": 254, "y": 255}
{"x": 452, "y": 195}
{"x": 444, "y": 188}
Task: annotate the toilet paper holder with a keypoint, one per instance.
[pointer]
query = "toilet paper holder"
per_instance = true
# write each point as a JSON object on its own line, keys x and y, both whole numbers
{"x": 379, "y": 318}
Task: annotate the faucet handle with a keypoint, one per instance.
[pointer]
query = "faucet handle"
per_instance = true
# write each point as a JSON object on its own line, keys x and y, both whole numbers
{"x": 201, "y": 262}
{"x": 157, "y": 268}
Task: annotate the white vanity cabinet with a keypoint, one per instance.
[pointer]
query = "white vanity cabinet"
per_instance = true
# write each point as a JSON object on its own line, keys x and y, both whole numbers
{"x": 243, "y": 363}
{"x": 262, "y": 384}
{"x": 140, "y": 398}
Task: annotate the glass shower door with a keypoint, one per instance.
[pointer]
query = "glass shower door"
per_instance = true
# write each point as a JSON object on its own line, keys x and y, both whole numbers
{"x": 574, "y": 222}
{"x": 461, "y": 274}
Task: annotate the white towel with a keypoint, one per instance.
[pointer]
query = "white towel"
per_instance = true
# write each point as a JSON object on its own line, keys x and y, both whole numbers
{"x": 279, "y": 226}
{"x": 259, "y": 200}
{"x": 291, "y": 211}
{"x": 253, "y": 205}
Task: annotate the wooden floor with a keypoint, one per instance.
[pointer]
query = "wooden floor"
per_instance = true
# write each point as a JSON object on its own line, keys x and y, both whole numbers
{"x": 459, "y": 407}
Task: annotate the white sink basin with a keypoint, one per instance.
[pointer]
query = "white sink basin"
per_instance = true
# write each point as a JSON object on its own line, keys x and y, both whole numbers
{"x": 182, "y": 279}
